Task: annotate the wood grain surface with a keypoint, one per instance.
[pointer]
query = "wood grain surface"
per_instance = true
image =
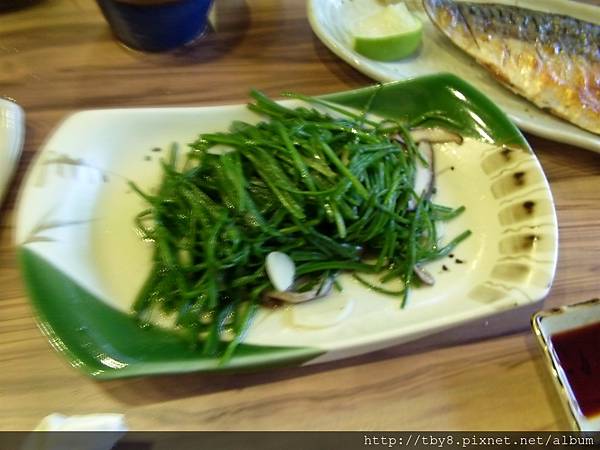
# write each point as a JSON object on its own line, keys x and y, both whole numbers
{"x": 58, "y": 56}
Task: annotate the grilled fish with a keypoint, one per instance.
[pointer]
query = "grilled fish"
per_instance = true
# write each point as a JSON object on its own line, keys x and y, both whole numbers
{"x": 552, "y": 60}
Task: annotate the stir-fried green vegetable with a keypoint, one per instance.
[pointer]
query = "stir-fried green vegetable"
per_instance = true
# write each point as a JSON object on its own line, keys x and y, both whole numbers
{"x": 335, "y": 194}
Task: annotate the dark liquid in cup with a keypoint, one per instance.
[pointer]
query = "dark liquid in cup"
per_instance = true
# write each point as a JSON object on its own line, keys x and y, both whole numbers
{"x": 9, "y": 5}
{"x": 579, "y": 354}
{"x": 156, "y": 25}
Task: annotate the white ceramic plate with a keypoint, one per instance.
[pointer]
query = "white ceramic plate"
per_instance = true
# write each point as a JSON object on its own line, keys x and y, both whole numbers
{"x": 12, "y": 135}
{"x": 330, "y": 18}
{"x": 83, "y": 261}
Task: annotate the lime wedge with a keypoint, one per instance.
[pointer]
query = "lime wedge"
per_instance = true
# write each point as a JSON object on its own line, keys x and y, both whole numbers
{"x": 390, "y": 34}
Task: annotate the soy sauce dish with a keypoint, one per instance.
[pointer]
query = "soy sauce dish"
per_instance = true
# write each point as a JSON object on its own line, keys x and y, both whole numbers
{"x": 570, "y": 340}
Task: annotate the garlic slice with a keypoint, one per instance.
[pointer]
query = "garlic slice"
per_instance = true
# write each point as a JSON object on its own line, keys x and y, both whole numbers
{"x": 281, "y": 270}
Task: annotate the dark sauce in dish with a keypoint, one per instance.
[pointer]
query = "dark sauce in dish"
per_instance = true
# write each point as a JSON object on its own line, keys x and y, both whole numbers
{"x": 578, "y": 351}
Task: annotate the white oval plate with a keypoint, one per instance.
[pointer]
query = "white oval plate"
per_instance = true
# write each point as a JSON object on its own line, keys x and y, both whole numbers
{"x": 330, "y": 18}
{"x": 12, "y": 136}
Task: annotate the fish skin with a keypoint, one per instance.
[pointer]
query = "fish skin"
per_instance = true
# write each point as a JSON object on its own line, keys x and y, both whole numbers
{"x": 552, "y": 60}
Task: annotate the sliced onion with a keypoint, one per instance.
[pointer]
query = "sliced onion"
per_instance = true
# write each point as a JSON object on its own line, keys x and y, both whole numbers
{"x": 424, "y": 276}
{"x": 435, "y": 135}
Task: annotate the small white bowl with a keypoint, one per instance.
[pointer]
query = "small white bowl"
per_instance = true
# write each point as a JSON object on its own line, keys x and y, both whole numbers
{"x": 12, "y": 135}
{"x": 548, "y": 324}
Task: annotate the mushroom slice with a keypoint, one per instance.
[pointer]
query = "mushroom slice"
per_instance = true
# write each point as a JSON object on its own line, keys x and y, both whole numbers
{"x": 290, "y": 296}
{"x": 435, "y": 135}
{"x": 425, "y": 176}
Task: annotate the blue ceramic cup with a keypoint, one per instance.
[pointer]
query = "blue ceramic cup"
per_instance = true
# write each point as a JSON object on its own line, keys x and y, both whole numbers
{"x": 156, "y": 25}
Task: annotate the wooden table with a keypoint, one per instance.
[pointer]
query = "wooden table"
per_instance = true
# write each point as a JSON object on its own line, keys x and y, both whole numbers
{"x": 59, "y": 56}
